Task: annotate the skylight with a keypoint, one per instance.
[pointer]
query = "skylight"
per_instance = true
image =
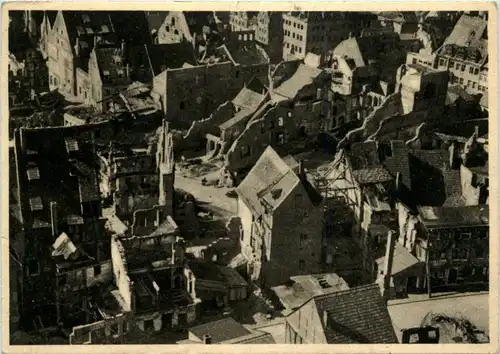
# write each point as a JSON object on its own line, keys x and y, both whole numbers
{"x": 71, "y": 145}
{"x": 33, "y": 173}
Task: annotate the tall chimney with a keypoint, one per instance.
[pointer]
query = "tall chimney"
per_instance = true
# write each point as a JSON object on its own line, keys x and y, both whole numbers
{"x": 54, "y": 220}
{"x": 476, "y": 131}
{"x": 95, "y": 41}
{"x": 325, "y": 318}
{"x": 207, "y": 339}
{"x": 389, "y": 255}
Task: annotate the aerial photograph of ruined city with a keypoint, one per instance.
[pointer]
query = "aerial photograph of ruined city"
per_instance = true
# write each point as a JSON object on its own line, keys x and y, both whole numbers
{"x": 246, "y": 177}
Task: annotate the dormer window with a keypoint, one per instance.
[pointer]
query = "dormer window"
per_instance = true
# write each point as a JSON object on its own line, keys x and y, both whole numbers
{"x": 33, "y": 173}
{"x": 36, "y": 204}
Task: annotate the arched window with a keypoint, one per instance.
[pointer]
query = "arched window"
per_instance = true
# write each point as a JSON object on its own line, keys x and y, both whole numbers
{"x": 173, "y": 21}
{"x": 168, "y": 28}
{"x": 280, "y": 121}
{"x": 245, "y": 37}
{"x": 240, "y": 37}
{"x": 237, "y": 73}
{"x": 176, "y": 32}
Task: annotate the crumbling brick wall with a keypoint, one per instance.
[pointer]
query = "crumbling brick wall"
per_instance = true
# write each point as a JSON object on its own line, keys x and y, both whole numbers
{"x": 195, "y": 136}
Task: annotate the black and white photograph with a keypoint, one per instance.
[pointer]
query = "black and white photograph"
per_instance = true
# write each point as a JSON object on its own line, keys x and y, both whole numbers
{"x": 249, "y": 177}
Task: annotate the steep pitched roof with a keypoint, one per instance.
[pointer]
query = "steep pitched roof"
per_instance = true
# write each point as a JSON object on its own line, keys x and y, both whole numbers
{"x": 356, "y": 315}
{"x": 467, "y": 31}
{"x": 55, "y": 165}
{"x": 455, "y": 92}
{"x": 434, "y": 182}
{"x": 270, "y": 178}
{"x": 247, "y": 98}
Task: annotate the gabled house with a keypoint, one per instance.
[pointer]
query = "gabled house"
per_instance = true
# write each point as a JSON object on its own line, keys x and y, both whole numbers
{"x": 281, "y": 217}
{"x": 187, "y": 26}
{"x": 353, "y": 316}
{"x": 243, "y": 20}
{"x": 364, "y": 74}
{"x": 74, "y": 35}
{"x": 269, "y": 34}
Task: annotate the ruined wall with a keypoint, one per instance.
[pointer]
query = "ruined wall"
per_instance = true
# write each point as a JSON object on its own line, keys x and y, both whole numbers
{"x": 390, "y": 107}
{"x": 400, "y": 126}
{"x": 85, "y": 277}
{"x": 184, "y": 102}
{"x": 274, "y": 125}
{"x": 195, "y": 136}
{"x": 120, "y": 272}
{"x": 145, "y": 221}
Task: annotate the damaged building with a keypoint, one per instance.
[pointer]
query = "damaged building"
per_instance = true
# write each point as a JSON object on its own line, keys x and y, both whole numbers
{"x": 112, "y": 68}
{"x": 293, "y": 112}
{"x": 363, "y": 75}
{"x": 419, "y": 98}
{"x": 63, "y": 245}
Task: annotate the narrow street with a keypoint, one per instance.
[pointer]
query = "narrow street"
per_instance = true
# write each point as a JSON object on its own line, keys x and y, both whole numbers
{"x": 471, "y": 306}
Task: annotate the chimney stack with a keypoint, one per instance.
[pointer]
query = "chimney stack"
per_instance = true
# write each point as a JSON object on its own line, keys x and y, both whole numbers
{"x": 123, "y": 47}
{"x": 389, "y": 255}
{"x": 325, "y": 318}
{"x": 77, "y": 46}
{"x": 95, "y": 42}
{"x": 476, "y": 131}
{"x": 453, "y": 155}
{"x": 207, "y": 339}
{"x": 302, "y": 170}
{"x": 398, "y": 182}
{"x": 54, "y": 219}
{"x": 127, "y": 70}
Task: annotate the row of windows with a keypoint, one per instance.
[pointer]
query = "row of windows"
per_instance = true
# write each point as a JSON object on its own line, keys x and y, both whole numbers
{"x": 294, "y": 48}
{"x": 294, "y": 24}
{"x": 293, "y": 35}
{"x": 459, "y": 66}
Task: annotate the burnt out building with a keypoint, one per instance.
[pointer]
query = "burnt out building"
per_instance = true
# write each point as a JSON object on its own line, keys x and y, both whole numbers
{"x": 62, "y": 232}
